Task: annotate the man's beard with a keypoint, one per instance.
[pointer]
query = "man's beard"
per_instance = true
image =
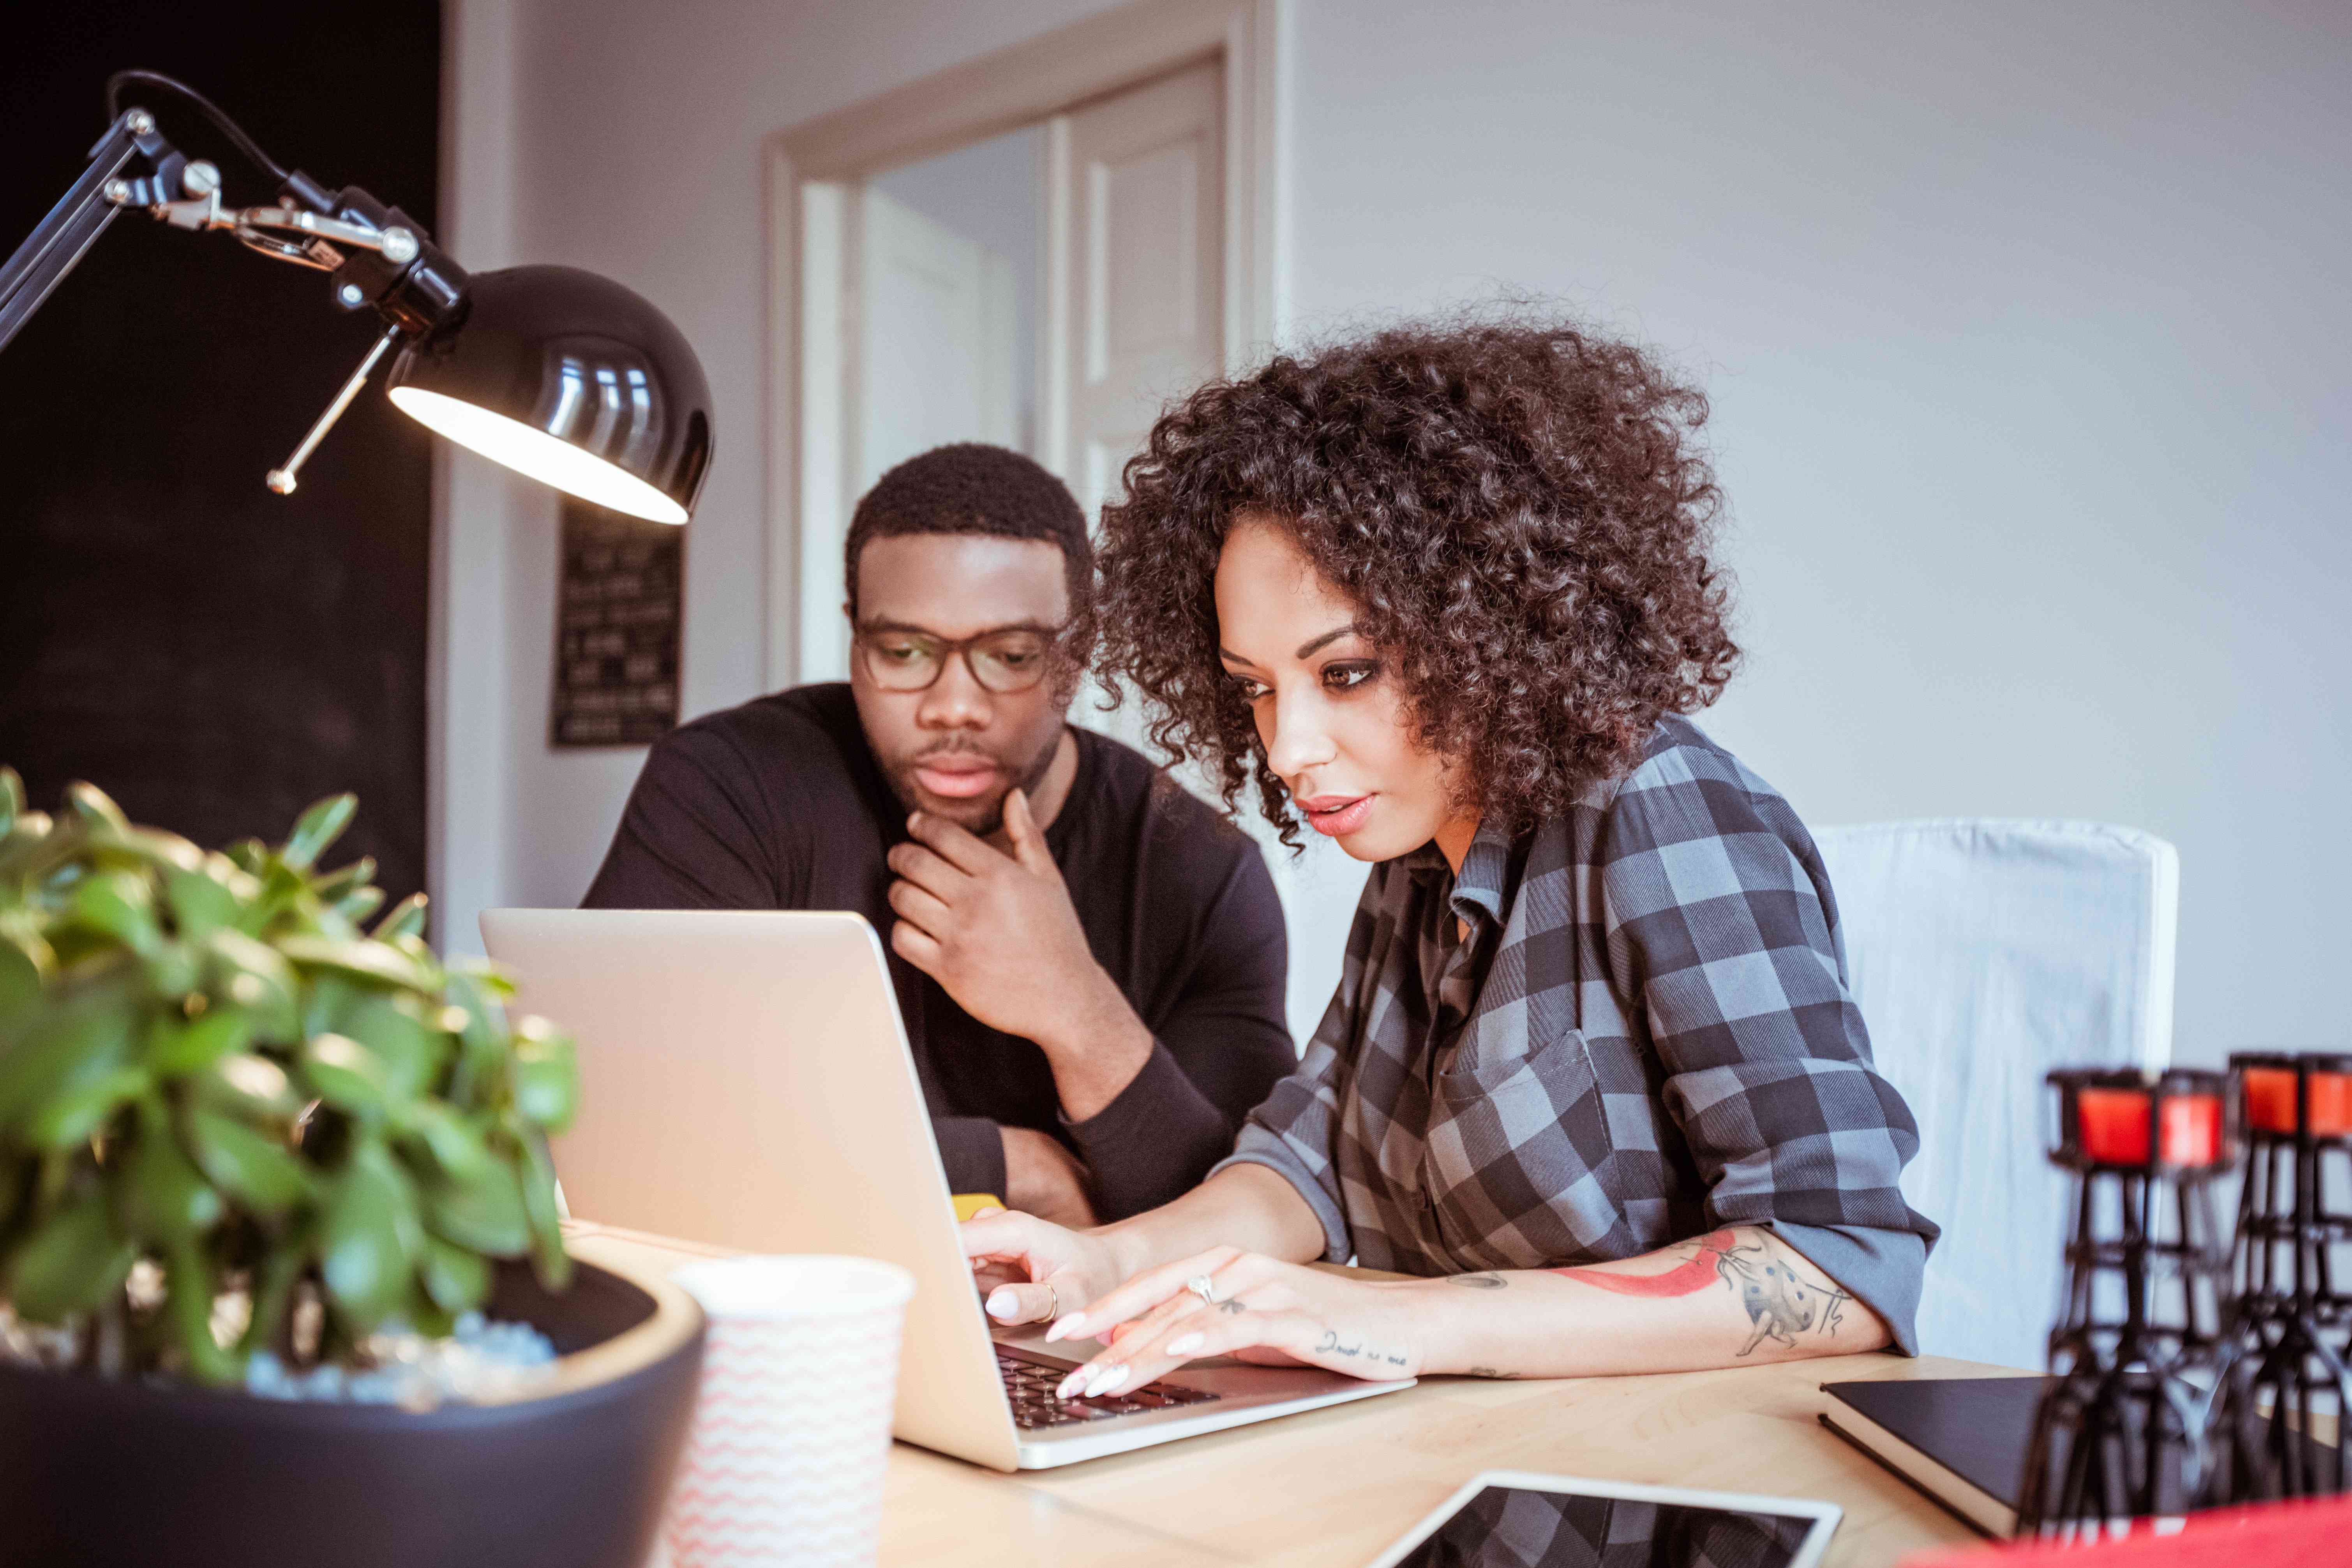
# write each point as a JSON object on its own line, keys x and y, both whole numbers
{"x": 1025, "y": 779}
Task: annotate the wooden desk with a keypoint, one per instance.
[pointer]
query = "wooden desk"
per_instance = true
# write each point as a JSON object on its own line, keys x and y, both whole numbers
{"x": 1330, "y": 1488}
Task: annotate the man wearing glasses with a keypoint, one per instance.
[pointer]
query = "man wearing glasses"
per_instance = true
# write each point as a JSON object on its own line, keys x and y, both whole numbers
{"x": 1090, "y": 962}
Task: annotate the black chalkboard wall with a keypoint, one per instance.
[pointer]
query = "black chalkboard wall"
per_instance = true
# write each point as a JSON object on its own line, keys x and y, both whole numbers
{"x": 213, "y": 655}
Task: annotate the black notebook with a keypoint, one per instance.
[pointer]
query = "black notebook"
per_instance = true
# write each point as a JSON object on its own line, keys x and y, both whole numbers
{"x": 1961, "y": 1441}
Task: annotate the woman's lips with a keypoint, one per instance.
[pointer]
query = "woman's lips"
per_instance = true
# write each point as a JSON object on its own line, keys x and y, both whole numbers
{"x": 1337, "y": 815}
{"x": 956, "y": 778}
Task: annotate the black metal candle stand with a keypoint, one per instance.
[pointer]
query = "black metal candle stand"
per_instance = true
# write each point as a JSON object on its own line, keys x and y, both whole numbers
{"x": 2143, "y": 1338}
{"x": 2289, "y": 1392}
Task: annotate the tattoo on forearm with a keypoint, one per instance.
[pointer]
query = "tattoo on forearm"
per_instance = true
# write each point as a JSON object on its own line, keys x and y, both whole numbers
{"x": 1490, "y": 1372}
{"x": 1781, "y": 1303}
{"x": 1478, "y": 1281}
{"x": 1360, "y": 1351}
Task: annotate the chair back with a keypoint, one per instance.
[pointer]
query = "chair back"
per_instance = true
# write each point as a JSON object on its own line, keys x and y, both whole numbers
{"x": 1983, "y": 954}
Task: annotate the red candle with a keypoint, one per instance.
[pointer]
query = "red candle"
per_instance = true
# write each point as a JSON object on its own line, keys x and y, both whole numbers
{"x": 2270, "y": 1101}
{"x": 2114, "y": 1126}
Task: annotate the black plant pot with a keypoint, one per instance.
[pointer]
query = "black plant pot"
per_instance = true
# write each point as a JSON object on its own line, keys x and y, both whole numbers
{"x": 137, "y": 1476}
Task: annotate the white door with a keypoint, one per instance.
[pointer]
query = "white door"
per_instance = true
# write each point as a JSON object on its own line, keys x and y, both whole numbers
{"x": 1135, "y": 269}
{"x": 1135, "y": 314}
{"x": 935, "y": 338}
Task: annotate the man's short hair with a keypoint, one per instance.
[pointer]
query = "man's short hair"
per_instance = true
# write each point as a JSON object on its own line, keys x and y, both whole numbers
{"x": 971, "y": 488}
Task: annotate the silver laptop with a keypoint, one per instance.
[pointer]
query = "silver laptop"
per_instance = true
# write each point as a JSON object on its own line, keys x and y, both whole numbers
{"x": 746, "y": 1083}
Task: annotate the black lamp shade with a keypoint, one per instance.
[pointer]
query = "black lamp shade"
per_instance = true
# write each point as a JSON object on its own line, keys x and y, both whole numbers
{"x": 573, "y": 380}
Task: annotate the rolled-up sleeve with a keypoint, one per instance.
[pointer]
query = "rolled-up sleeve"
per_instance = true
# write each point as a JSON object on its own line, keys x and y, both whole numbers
{"x": 1291, "y": 1133}
{"x": 1718, "y": 918}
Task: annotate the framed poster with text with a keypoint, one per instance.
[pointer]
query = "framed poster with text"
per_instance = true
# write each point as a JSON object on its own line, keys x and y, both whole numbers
{"x": 618, "y": 612}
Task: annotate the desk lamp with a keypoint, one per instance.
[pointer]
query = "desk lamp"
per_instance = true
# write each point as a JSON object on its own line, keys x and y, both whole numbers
{"x": 558, "y": 374}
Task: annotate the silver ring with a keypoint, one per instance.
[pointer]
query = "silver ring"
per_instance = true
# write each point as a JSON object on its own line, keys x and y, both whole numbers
{"x": 1199, "y": 1285}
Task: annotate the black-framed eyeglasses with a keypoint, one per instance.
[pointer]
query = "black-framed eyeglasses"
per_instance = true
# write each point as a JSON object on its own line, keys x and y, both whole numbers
{"x": 1005, "y": 662}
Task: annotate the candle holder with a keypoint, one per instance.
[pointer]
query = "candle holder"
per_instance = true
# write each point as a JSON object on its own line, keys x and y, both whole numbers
{"x": 2142, "y": 1340}
{"x": 2294, "y": 1315}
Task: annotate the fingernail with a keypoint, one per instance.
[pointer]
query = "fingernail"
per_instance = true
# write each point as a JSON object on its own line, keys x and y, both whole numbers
{"x": 1107, "y": 1381}
{"x": 1063, "y": 1326}
{"x": 1184, "y": 1346}
{"x": 1003, "y": 1303}
{"x": 1071, "y": 1385}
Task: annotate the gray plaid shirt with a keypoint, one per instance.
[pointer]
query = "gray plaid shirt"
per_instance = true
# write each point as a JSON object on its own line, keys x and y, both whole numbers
{"x": 1647, "y": 1034}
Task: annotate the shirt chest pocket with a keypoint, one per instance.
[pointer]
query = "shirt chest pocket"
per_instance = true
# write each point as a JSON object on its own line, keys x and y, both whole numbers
{"x": 1518, "y": 1153}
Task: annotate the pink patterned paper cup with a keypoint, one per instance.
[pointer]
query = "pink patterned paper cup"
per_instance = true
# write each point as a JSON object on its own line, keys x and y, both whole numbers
{"x": 792, "y": 1431}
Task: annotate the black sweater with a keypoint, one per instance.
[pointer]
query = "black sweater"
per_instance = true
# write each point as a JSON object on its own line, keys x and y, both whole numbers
{"x": 779, "y": 805}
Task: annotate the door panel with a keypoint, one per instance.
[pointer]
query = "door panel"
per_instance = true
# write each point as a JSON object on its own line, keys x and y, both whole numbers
{"x": 1136, "y": 260}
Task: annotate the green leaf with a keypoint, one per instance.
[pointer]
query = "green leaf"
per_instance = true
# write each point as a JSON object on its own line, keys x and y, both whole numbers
{"x": 359, "y": 903}
{"x": 36, "y": 845}
{"x": 189, "y": 1290}
{"x": 202, "y": 900}
{"x": 256, "y": 977}
{"x": 75, "y": 1044}
{"x": 72, "y": 1263}
{"x": 176, "y": 1048}
{"x": 456, "y": 1281}
{"x": 12, "y": 798}
{"x": 163, "y": 1197}
{"x": 68, "y": 1117}
{"x": 252, "y": 1089}
{"x": 95, "y": 807}
{"x": 319, "y": 826}
{"x": 411, "y": 1049}
{"x": 330, "y": 885}
{"x": 361, "y": 958}
{"x": 280, "y": 1271}
{"x": 122, "y": 905}
{"x": 369, "y": 1239}
{"x": 262, "y": 1171}
{"x": 407, "y": 919}
{"x": 153, "y": 848}
{"x": 545, "y": 1076}
{"x": 20, "y": 982}
{"x": 553, "y": 1263}
{"x": 345, "y": 1074}
{"x": 454, "y": 1144}
{"x": 484, "y": 1213}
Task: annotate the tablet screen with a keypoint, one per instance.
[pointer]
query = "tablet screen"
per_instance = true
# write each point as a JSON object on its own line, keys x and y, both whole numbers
{"x": 1506, "y": 1527}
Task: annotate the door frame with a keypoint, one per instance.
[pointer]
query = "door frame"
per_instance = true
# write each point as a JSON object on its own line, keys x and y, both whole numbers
{"x": 812, "y": 170}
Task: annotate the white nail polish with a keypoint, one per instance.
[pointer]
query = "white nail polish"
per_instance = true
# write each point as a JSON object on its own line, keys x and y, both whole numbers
{"x": 1107, "y": 1381}
{"x": 1063, "y": 1326}
{"x": 1070, "y": 1384}
{"x": 1003, "y": 1304}
{"x": 1184, "y": 1346}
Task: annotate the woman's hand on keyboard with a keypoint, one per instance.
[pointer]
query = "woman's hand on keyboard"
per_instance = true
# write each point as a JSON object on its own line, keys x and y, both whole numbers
{"x": 1050, "y": 1270}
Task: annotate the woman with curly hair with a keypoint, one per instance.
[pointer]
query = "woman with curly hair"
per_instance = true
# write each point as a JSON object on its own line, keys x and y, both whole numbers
{"x": 1593, "y": 1075}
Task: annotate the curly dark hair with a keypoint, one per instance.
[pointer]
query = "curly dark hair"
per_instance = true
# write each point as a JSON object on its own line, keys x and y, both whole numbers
{"x": 972, "y": 487}
{"x": 1518, "y": 507}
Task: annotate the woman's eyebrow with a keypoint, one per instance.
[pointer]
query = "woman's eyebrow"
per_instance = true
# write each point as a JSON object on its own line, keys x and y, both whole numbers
{"x": 1307, "y": 650}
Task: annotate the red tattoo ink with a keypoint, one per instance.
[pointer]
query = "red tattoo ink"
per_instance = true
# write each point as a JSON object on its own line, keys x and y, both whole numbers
{"x": 1682, "y": 1279}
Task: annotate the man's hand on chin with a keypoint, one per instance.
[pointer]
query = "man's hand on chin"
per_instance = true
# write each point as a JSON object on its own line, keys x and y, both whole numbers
{"x": 999, "y": 934}
{"x": 1043, "y": 1178}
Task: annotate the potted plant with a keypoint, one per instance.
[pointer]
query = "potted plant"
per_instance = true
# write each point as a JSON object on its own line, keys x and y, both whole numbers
{"x": 259, "y": 1165}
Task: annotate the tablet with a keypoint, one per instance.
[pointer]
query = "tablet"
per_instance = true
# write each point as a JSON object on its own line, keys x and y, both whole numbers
{"x": 1510, "y": 1519}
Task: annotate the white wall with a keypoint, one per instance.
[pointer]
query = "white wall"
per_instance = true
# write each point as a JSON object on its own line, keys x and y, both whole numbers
{"x": 2024, "y": 324}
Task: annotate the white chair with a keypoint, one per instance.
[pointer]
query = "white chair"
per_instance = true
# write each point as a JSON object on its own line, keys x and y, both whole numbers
{"x": 1985, "y": 953}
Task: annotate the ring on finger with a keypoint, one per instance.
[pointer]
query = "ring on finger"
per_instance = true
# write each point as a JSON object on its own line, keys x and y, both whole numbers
{"x": 1053, "y": 1301}
{"x": 1203, "y": 1287}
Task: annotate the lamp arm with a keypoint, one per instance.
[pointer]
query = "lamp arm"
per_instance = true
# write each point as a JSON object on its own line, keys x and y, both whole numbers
{"x": 60, "y": 240}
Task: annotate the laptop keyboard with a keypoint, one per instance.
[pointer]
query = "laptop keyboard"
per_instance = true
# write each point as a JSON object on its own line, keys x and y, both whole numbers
{"x": 1029, "y": 1387}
